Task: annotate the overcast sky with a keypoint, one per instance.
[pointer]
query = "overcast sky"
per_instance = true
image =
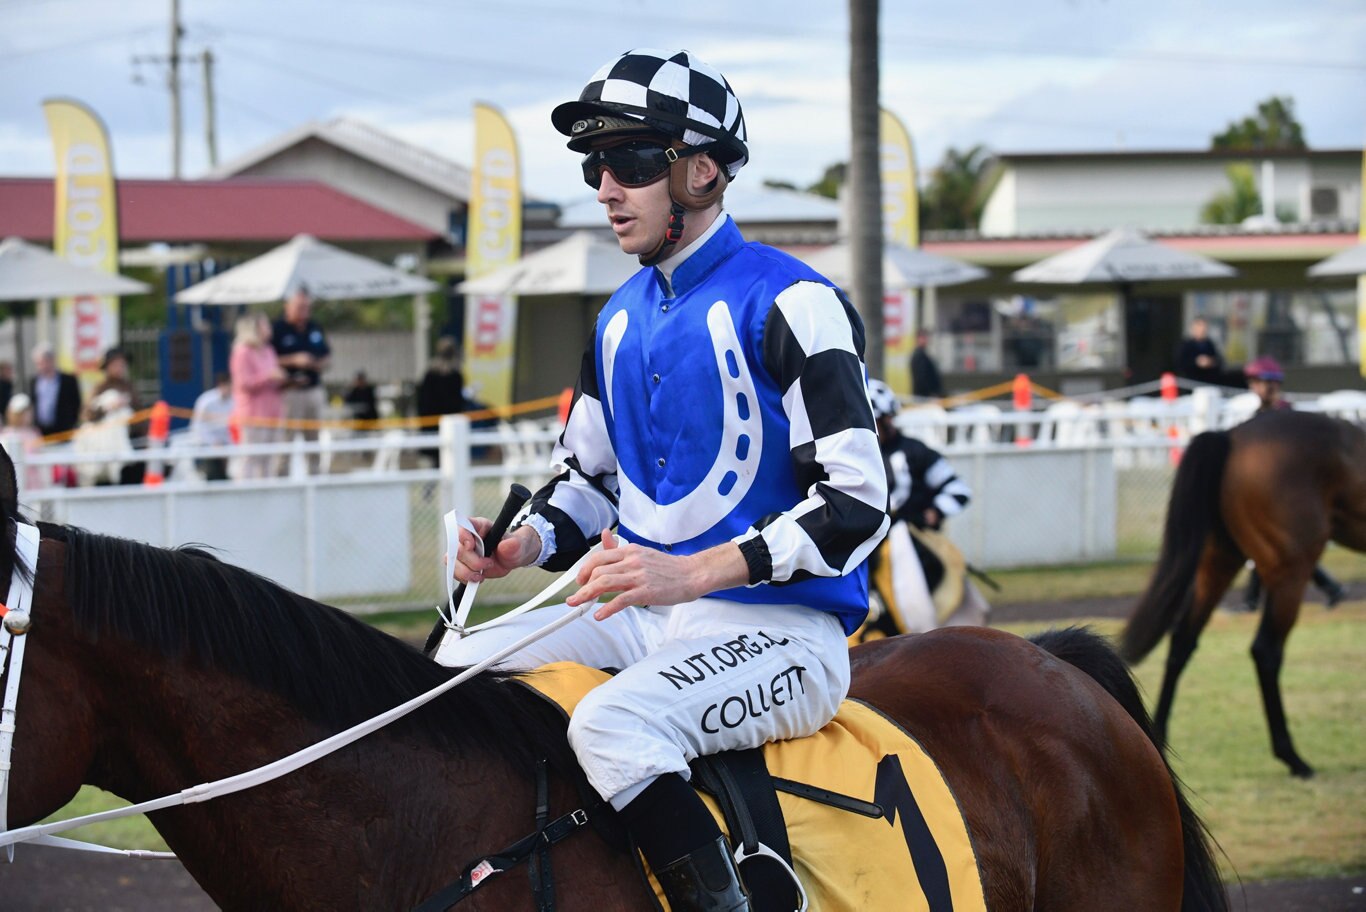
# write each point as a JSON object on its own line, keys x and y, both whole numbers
{"x": 1046, "y": 75}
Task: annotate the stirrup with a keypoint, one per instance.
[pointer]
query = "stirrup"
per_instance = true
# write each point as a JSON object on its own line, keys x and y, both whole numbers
{"x": 763, "y": 851}
{"x": 706, "y": 880}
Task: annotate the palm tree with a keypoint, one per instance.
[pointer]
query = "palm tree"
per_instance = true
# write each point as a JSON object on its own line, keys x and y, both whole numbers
{"x": 958, "y": 189}
{"x": 865, "y": 181}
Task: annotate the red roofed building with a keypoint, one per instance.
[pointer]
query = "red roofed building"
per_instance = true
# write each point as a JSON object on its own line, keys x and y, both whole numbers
{"x": 244, "y": 215}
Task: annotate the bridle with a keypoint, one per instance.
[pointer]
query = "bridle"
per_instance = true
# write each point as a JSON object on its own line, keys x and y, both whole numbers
{"x": 16, "y": 614}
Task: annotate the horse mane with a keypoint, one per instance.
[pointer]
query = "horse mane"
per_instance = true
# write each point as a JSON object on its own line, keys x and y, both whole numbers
{"x": 337, "y": 671}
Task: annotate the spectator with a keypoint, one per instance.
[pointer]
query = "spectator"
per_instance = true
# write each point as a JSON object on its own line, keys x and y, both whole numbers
{"x": 6, "y": 386}
{"x": 21, "y": 439}
{"x": 303, "y": 353}
{"x": 104, "y": 436}
{"x": 442, "y": 390}
{"x": 925, "y": 379}
{"x": 115, "y": 367}
{"x": 1198, "y": 358}
{"x": 56, "y": 395}
{"x": 360, "y": 399}
{"x": 257, "y": 403}
{"x": 209, "y": 426}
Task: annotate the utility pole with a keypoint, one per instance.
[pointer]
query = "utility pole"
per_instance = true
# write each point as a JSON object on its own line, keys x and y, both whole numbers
{"x": 174, "y": 85}
{"x": 210, "y": 130}
{"x": 865, "y": 178}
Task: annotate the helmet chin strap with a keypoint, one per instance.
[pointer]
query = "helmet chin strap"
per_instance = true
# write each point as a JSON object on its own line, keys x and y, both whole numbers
{"x": 681, "y": 201}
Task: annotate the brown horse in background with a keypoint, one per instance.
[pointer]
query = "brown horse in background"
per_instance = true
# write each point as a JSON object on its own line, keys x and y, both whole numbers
{"x": 1276, "y": 490}
{"x": 149, "y": 670}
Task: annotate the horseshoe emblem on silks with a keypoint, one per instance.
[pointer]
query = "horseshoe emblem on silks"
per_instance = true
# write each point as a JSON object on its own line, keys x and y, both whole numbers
{"x": 737, "y": 461}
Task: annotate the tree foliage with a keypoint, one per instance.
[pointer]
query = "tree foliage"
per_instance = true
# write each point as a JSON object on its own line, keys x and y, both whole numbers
{"x": 1272, "y": 127}
{"x": 957, "y": 190}
{"x": 829, "y": 185}
{"x": 1238, "y": 202}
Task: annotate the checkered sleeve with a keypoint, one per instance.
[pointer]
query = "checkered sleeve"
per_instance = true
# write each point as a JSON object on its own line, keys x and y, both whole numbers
{"x": 934, "y": 483}
{"x": 581, "y": 500}
{"x": 813, "y": 348}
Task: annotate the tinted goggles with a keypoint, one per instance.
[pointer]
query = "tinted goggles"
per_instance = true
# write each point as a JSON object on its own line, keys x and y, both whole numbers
{"x": 633, "y": 164}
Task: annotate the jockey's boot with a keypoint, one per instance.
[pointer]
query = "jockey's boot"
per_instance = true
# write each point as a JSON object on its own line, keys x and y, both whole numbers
{"x": 684, "y": 846}
{"x": 707, "y": 880}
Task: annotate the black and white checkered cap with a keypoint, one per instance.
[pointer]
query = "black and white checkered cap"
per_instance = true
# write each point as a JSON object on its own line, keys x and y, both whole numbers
{"x": 884, "y": 401}
{"x": 673, "y": 92}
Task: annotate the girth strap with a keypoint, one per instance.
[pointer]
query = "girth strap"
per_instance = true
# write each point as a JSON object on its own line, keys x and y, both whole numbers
{"x": 535, "y": 848}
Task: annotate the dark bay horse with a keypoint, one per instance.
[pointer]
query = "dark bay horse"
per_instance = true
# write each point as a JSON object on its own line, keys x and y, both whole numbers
{"x": 1276, "y": 490}
{"x": 149, "y": 670}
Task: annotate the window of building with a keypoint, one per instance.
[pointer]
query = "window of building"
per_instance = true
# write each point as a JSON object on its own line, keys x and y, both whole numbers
{"x": 1305, "y": 326}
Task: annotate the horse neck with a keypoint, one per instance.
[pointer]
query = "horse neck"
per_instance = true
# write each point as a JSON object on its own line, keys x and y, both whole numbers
{"x": 190, "y": 725}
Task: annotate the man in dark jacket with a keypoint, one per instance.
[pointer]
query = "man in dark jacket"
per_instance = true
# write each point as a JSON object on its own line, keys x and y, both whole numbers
{"x": 56, "y": 395}
{"x": 925, "y": 378}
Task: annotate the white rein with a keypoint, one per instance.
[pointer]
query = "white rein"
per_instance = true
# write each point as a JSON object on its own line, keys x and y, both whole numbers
{"x": 42, "y": 834}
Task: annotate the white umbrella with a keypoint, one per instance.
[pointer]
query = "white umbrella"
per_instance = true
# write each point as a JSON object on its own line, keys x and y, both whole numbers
{"x": 331, "y": 274}
{"x": 902, "y": 267}
{"x": 1349, "y": 262}
{"x": 1124, "y": 256}
{"x": 582, "y": 263}
{"x": 32, "y": 273}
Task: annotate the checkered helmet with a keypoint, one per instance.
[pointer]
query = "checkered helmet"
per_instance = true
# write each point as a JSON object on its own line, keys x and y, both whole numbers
{"x": 669, "y": 92}
{"x": 885, "y": 404}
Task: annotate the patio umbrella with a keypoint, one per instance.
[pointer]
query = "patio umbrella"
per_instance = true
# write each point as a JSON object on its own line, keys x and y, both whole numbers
{"x": 1123, "y": 257}
{"x": 32, "y": 273}
{"x": 583, "y": 264}
{"x": 1349, "y": 262}
{"x": 902, "y": 267}
{"x": 331, "y": 274}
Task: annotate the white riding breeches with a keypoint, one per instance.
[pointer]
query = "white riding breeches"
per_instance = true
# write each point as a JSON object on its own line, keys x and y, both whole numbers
{"x": 694, "y": 679}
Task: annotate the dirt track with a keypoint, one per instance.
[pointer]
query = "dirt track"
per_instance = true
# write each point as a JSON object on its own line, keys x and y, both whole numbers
{"x": 56, "y": 880}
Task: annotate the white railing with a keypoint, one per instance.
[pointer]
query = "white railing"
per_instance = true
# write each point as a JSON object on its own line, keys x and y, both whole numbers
{"x": 1069, "y": 482}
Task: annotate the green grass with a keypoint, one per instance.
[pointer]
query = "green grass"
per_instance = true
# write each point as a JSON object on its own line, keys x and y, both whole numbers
{"x": 1269, "y": 825}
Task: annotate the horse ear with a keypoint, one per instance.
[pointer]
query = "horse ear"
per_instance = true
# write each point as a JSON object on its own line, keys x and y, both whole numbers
{"x": 9, "y": 485}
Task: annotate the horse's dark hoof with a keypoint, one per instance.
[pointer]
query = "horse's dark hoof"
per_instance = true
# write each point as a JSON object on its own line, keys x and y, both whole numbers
{"x": 1301, "y": 770}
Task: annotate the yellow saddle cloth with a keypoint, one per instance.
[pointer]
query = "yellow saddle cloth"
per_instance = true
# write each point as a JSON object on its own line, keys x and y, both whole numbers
{"x": 917, "y": 857}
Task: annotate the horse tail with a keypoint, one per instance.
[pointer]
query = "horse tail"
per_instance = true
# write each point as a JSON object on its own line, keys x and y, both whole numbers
{"x": 1192, "y": 514}
{"x": 1202, "y": 888}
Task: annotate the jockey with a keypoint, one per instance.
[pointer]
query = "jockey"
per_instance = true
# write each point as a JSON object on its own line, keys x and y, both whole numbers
{"x": 1264, "y": 377}
{"x": 722, "y": 424}
{"x": 923, "y": 491}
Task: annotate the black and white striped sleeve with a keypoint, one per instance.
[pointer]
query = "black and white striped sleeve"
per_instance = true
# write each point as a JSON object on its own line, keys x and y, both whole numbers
{"x": 581, "y": 500}
{"x": 813, "y": 348}
{"x": 934, "y": 483}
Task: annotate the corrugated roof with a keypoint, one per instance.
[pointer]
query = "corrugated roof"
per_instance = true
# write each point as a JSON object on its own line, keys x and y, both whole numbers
{"x": 360, "y": 139}
{"x": 173, "y": 212}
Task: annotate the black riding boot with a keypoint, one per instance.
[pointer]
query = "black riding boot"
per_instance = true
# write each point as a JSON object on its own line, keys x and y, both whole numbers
{"x": 705, "y": 881}
{"x": 684, "y": 846}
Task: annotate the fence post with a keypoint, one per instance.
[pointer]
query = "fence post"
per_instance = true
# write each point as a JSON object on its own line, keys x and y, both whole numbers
{"x": 158, "y": 430}
{"x": 453, "y": 457}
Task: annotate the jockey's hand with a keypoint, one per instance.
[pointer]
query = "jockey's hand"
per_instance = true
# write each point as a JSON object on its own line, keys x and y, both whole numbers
{"x": 518, "y": 548}
{"x": 637, "y": 575}
{"x": 933, "y": 518}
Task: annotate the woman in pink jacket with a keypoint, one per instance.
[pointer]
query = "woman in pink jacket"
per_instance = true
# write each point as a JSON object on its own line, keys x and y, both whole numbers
{"x": 256, "y": 401}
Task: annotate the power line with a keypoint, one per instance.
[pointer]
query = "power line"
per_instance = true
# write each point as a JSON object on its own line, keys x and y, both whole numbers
{"x": 12, "y": 56}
